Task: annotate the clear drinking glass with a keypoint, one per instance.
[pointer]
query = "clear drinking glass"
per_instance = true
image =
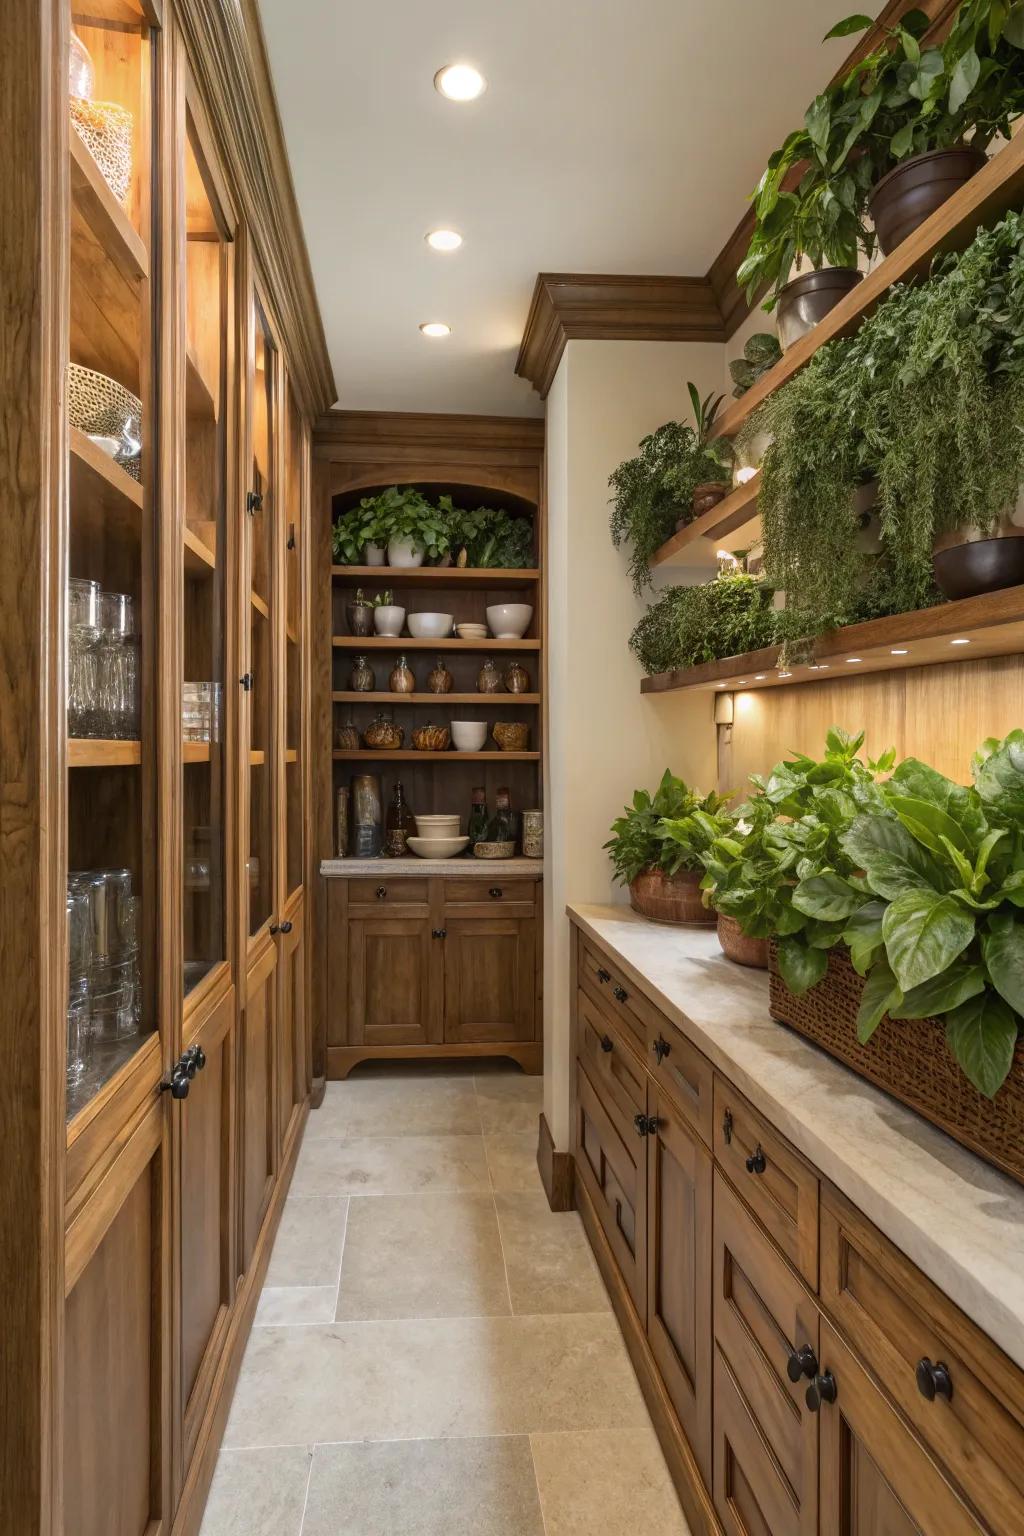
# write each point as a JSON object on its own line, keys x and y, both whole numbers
{"x": 114, "y": 981}
{"x": 83, "y": 658}
{"x": 78, "y": 984}
{"x": 118, "y": 666}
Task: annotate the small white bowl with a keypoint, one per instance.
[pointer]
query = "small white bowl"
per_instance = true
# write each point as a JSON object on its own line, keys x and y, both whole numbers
{"x": 438, "y": 847}
{"x": 469, "y": 735}
{"x": 471, "y": 631}
{"x": 509, "y": 621}
{"x": 430, "y": 626}
{"x": 388, "y": 620}
{"x": 437, "y": 826}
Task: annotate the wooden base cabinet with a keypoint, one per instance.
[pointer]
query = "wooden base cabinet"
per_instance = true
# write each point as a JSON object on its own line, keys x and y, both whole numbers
{"x": 780, "y": 1339}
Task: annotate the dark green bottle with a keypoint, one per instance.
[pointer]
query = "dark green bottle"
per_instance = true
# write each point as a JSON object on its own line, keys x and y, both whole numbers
{"x": 477, "y": 827}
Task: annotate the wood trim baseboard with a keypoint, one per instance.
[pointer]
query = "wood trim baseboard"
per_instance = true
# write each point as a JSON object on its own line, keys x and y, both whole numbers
{"x": 342, "y": 1058}
{"x": 694, "y": 1496}
{"x": 557, "y": 1170}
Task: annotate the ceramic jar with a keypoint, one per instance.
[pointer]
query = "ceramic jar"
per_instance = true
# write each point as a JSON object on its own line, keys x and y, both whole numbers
{"x": 367, "y": 817}
{"x": 402, "y": 679}
{"x": 360, "y": 617}
{"x": 361, "y": 679}
{"x": 388, "y": 619}
{"x": 383, "y": 735}
{"x": 489, "y": 680}
{"x": 431, "y": 738}
{"x": 511, "y": 735}
{"x": 533, "y": 834}
{"x": 404, "y": 552}
{"x": 346, "y": 737}
{"x": 439, "y": 679}
{"x": 517, "y": 679}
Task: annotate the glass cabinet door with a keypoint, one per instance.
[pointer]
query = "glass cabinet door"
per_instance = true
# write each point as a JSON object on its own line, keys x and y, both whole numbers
{"x": 261, "y": 518}
{"x": 293, "y": 822}
{"x": 208, "y": 270}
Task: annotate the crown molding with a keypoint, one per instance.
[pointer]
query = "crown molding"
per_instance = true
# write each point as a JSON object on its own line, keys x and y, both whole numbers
{"x": 367, "y": 435}
{"x": 228, "y": 56}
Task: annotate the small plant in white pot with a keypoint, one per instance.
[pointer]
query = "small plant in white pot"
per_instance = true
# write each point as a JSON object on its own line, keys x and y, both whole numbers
{"x": 415, "y": 530}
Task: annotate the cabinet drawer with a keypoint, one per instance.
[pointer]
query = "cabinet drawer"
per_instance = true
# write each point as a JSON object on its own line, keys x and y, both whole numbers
{"x": 895, "y": 1318}
{"x": 611, "y": 1065}
{"x": 780, "y": 1188}
{"x": 613, "y": 1169}
{"x": 683, "y": 1072}
{"x": 387, "y": 892}
{"x": 491, "y": 893}
{"x": 609, "y": 987}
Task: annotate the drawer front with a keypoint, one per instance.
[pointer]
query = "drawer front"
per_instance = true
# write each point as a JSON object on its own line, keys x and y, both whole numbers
{"x": 763, "y": 1428}
{"x": 895, "y": 1318}
{"x": 780, "y": 1188}
{"x": 400, "y": 891}
{"x": 684, "y": 1073}
{"x": 611, "y": 1065}
{"x": 607, "y": 985}
{"x": 614, "y": 1172}
{"x": 496, "y": 893}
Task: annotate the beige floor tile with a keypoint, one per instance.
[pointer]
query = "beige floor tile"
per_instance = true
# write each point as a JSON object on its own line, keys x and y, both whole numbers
{"x": 307, "y": 1248}
{"x": 419, "y": 1106}
{"x": 512, "y": 1162}
{"x": 510, "y": 1104}
{"x": 477, "y": 1487}
{"x": 434, "y": 1378}
{"x": 258, "y": 1493}
{"x": 372, "y": 1165}
{"x": 549, "y": 1262}
{"x": 606, "y": 1484}
{"x": 422, "y": 1255}
{"x": 292, "y": 1305}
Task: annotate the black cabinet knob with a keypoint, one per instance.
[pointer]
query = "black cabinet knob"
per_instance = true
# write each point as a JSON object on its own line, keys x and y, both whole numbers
{"x": 603, "y": 976}
{"x": 822, "y": 1389}
{"x": 645, "y": 1125}
{"x": 200, "y": 1056}
{"x": 382, "y": 891}
{"x": 802, "y": 1362}
{"x": 440, "y": 933}
{"x": 757, "y": 1162}
{"x": 275, "y": 927}
{"x": 934, "y": 1380}
{"x": 177, "y": 1085}
{"x": 246, "y": 681}
{"x": 621, "y": 994}
{"x": 727, "y": 1127}
{"x": 606, "y": 1043}
{"x": 495, "y": 892}
{"x": 254, "y": 501}
{"x": 661, "y": 1050}
{"x": 286, "y": 926}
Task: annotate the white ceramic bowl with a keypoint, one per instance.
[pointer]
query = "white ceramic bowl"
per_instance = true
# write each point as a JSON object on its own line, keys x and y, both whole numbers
{"x": 471, "y": 631}
{"x": 438, "y": 847}
{"x": 438, "y": 826}
{"x": 469, "y": 735}
{"x": 430, "y": 626}
{"x": 509, "y": 621}
{"x": 388, "y": 620}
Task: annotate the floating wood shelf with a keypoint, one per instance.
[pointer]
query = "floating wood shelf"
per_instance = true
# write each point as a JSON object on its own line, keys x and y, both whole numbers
{"x": 406, "y": 643}
{"x": 100, "y": 210}
{"x": 967, "y": 630}
{"x": 200, "y": 559}
{"x": 483, "y": 699}
{"x": 195, "y": 751}
{"x": 407, "y": 755}
{"x": 998, "y": 187}
{"x": 737, "y": 510}
{"x": 198, "y": 399}
{"x": 433, "y": 576}
{"x": 259, "y": 605}
{"x": 93, "y": 752}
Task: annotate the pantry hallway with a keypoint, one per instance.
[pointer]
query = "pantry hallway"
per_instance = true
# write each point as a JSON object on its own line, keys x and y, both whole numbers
{"x": 434, "y": 1353}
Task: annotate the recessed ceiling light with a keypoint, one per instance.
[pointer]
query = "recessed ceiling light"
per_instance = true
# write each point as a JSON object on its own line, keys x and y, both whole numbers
{"x": 444, "y": 240}
{"x": 742, "y": 683}
{"x": 460, "y": 82}
{"x": 959, "y": 642}
{"x": 899, "y": 651}
{"x": 435, "y": 328}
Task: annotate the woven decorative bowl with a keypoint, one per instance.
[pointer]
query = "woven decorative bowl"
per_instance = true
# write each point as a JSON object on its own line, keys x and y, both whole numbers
{"x": 431, "y": 738}
{"x": 493, "y": 850}
{"x": 511, "y": 735}
{"x": 101, "y": 407}
{"x": 106, "y": 131}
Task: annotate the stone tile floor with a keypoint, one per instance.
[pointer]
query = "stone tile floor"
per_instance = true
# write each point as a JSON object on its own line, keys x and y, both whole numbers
{"x": 434, "y": 1352}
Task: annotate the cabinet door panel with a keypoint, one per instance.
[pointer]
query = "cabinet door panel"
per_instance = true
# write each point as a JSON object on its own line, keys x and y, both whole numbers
{"x": 877, "y": 1479}
{"x": 490, "y": 981}
{"x": 679, "y": 1270}
{"x": 615, "y": 1174}
{"x": 258, "y": 1139}
{"x": 394, "y": 995}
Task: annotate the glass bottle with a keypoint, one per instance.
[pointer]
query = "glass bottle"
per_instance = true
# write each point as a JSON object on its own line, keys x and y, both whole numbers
{"x": 400, "y": 825}
{"x": 488, "y": 680}
{"x": 361, "y": 679}
{"x": 402, "y": 679}
{"x": 502, "y": 827}
{"x": 477, "y": 827}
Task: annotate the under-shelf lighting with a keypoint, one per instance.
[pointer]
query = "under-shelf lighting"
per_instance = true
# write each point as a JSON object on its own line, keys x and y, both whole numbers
{"x": 850, "y": 660}
{"x": 444, "y": 239}
{"x": 759, "y": 677}
{"x": 961, "y": 641}
{"x": 460, "y": 82}
{"x": 899, "y": 650}
{"x": 785, "y": 674}
{"x": 435, "y": 328}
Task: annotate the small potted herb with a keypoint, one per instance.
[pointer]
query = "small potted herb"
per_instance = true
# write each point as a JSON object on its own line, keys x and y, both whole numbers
{"x": 657, "y": 858}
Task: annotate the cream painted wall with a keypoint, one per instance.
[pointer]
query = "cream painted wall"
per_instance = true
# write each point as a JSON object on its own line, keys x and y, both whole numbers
{"x": 604, "y": 738}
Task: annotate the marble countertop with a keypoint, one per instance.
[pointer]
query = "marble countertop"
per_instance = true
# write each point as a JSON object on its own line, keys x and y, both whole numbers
{"x": 957, "y": 1218}
{"x": 460, "y": 868}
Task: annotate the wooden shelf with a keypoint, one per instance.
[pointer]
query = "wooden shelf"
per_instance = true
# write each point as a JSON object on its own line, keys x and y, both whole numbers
{"x": 410, "y": 755}
{"x": 991, "y": 625}
{"x": 257, "y": 759}
{"x": 200, "y": 559}
{"x": 998, "y": 187}
{"x": 291, "y": 754}
{"x": 94, "y": 752}
{"x": 406, "y": 643}
{"x": 291, "y": 634}
{"x": 198, "y": 399}
{"x": 105, "y": 500}
{"x": 101, "y": 212}
{"x": 259, "y": 605}
{"x": 195, "y": 751}
{"x": 504, "y": 699}
{"x": 737, "y": 510}
{"x": 433, "y": 576}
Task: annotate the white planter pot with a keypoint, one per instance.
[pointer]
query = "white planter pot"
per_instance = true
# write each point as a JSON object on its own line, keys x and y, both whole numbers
{"x": 373, "y": 554}
{"x": 403, "y": 552}
{"x": 388, "y": 620}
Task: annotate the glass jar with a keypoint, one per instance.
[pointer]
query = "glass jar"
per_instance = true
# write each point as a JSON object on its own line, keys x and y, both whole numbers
{"x": 439, "y": 679}
{"x": 83, "y": 659}
{"x": 488, "y": 680}
{"x": 402, "y": 679}
{"x": 367, "y": 816}
{"x": 118, "y": 667}
{"x": 81, "y": 75}
{"x": 361, "y": 679}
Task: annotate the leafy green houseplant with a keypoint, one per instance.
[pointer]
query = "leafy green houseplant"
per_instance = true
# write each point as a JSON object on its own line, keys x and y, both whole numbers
{"x": 760, "y": 352}
{"x": 488, "y": 537}
{"x": 688, "y": 625}
{"x": 657, "y": 857}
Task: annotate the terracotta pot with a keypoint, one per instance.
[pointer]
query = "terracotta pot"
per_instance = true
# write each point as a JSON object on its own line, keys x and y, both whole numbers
{"x": 810, "y": 297}
{"x": 739, "y": 946}
{"x": 671, "y": 898}
{"x": 911, "y": 192}
{"x": 705, "y": 497}
{"x": 967, "y": 562}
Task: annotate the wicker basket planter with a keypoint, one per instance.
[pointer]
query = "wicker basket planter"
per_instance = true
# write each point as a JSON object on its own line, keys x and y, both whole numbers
{"x": 910, "y": 1060}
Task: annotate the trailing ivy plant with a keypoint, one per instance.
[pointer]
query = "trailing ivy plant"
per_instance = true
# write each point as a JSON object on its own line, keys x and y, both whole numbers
{"x": 639, "y": 841}
{"x": 689, "y": 625}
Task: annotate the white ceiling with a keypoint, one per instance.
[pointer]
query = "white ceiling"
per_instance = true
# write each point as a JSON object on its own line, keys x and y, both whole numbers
{"x": 614, "y": 136}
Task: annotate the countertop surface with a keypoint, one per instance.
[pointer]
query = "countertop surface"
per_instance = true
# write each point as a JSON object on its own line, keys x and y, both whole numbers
{"x": 460, "y": 868}
{"x": 957, "y": 1218}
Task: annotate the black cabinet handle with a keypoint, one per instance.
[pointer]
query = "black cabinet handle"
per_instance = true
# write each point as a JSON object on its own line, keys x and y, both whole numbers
{"x": 603, "y": 976}
{"x": 822, "y": 1389}
{"x": 275, "y": 927}
{"x": 621, "y": 994}
{"x": 286, "y": 926}
{"x": 727, "y": 1127}
{"x": 646, "y": 1125}
{"x": 177, "y": 1084}
{"x": 495, "y": 892}
{"x": 291, "y": 536}
{"x": 254, "y": 501}
{"x": 757, "y": 1162}
{"x": 661, "y": 1050}
{"x": 802, "y": 1362}
{"x": 440, "y": 933}
{"x": 246, "y": 681}
{"x": 607, "y": 1043}
{"x": 934, "y": 1380}
{"x": 382, "y": 891}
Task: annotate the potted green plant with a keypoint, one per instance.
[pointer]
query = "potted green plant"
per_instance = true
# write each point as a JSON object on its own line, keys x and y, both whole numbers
{"x": 709, "y": 456}
{"x": 760, "y": 353}
{"x": 660, "y": 867}
{"x": 488, "y": 537}
{"x": 358, "y": 537}
{"x": 413, "y": 527}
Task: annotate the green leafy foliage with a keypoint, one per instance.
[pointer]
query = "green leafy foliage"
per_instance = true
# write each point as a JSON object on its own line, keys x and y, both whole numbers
{"x": 654, "y": 832}
{"x": 489, "y": 536}
{"x": 760, "y": 352}
{"x": 688, "y": 625}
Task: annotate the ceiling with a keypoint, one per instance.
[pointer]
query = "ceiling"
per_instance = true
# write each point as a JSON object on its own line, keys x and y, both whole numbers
{"x": 613, "y": 137}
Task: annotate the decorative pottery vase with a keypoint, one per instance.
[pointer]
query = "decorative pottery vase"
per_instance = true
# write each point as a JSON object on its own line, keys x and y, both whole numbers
{"x": 488, "y": 680}
{"x": 439, "y": 679}
{"x": 360, "y": 618}
{"x": 388, "y": 619}
{"x": 431, "y": 738}
{"x": 517, "y": 679}
{"x": 383, "y": 735}
{"x": 367, "y": 817}
{"x": 374, "y": 554}
{"x": 511, "y": 735}
{"x": 533, "y": 834}
{"x": 402, "y": 679}
{"x": 362, "y": 678}
{"x": 346, "y": 737}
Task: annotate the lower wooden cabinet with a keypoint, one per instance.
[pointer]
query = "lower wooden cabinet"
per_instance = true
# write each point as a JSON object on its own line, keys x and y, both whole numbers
{"x": 394, "y": 981}
{"x": 611, "y": 1163}
{"x": 490, "y": 979}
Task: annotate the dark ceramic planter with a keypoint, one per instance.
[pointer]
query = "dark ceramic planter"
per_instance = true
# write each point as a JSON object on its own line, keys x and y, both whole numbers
{"x": 911, "y": 192}
{"x": 807, "y": 299}
{"x": 966, "y": 564}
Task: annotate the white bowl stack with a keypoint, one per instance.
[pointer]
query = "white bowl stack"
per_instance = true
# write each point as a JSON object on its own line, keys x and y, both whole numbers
{"x": 438, "y": 838}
